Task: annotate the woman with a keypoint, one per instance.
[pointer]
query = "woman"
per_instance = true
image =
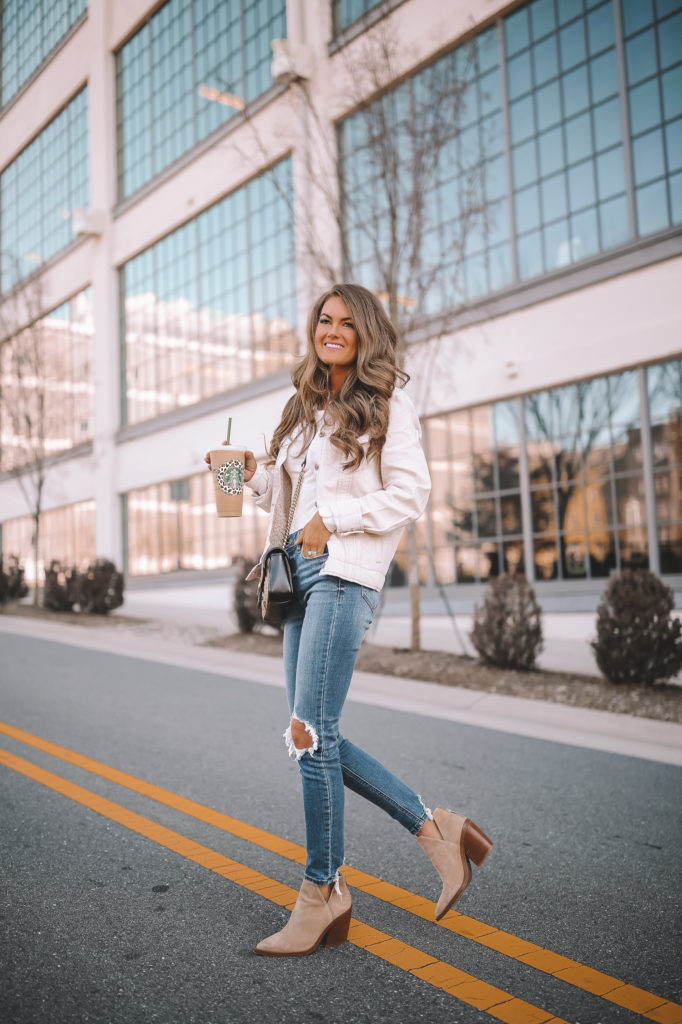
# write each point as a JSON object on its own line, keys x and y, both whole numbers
{"x": 354, "y": 436}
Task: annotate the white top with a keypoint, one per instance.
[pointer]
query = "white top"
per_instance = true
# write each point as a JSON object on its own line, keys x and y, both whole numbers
{"x": 306, "y": 506}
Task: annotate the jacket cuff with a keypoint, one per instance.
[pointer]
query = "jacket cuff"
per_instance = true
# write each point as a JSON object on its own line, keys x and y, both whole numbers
{"x": 346, "y": 517}
{"x": 258, "y": 482}
{"x": 327, "y": 517}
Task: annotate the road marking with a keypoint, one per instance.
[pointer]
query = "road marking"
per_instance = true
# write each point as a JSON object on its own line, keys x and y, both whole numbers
{"x": 464, "y": 987}
{"x": 572, "y": 972}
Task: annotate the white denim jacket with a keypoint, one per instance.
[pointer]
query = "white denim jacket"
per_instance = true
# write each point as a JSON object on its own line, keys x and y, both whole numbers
{"x": 366, "y": 509}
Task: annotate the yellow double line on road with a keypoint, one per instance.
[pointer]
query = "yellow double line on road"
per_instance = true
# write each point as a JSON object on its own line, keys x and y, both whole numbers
{"x": 463, "y": 986}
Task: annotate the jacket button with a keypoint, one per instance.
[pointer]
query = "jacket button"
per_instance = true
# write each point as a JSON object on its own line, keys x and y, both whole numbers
{"x": 317, "y": 465}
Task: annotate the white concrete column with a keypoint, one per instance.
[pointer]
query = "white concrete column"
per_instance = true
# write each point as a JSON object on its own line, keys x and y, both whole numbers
{"x": 102, "y": 144}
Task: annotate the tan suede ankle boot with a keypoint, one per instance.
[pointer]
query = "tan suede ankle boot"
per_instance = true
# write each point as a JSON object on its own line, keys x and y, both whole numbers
{"x": 313, "y": 920}
{"x": 461, "y": 842}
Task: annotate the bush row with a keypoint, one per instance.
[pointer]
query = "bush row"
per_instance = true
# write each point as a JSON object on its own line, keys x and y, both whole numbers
{"x": 639, "y": 640}
{"x": 95, "y": 590}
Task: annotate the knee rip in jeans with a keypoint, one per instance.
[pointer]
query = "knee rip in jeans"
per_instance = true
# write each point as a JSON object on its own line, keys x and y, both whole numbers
{"x": 300, "y": 738}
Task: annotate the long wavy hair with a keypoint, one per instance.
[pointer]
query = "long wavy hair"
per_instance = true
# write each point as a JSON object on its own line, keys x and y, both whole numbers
{"x": 361, "y": 404}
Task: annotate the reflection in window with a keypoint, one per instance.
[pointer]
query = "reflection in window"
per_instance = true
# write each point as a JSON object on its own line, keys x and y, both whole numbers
{"x": 665, "y": 402}
{"x": 475, "y": 498}
{"x": 653, "y": 60}
{"x": 587, "y": 488}
{"x": 39, "y": 191}
{"x": 345, "y": 12}
{"x": 462, "y": 252}
{"x": 47, "y": 385}
{"x": 190, "y": 68}
{"x": 174, "y": 526}
{"x": 67, "y": 534}
{"x": 30, "y": 30}
{"x": 212, "y": 305}
{"x": 567, "y": 152}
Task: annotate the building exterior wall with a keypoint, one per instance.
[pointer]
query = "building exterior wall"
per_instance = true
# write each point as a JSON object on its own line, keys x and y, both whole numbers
{"x": 613, "y": 310}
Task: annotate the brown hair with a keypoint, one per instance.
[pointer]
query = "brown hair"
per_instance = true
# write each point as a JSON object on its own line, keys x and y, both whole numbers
{"x": 361, "y": 404}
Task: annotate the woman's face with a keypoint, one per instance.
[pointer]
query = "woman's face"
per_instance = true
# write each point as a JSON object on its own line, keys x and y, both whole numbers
{"x": 336, "y": 340}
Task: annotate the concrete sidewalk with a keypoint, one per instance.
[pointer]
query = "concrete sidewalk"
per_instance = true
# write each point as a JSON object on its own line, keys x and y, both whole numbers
{"x": 210, "y": 604}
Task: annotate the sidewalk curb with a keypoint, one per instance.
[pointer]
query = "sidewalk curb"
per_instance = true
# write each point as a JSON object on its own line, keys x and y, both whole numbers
{"x": 558, "y": 723}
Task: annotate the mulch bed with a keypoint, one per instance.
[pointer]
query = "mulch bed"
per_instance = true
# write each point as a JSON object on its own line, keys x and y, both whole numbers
{"x": 662, "y": 702}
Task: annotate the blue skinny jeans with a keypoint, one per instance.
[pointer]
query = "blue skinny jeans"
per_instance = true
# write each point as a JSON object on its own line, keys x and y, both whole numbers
{"x": 322, "y": 636}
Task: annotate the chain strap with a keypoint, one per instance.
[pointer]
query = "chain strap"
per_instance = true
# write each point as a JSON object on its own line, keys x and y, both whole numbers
{"x": 292, "y": 507}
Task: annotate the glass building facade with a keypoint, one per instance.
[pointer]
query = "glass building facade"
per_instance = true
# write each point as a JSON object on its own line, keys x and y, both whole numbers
{"x": 39, "y": 191}
{"x": 30, "y": 31}
{"x": 212, "y": 305}
{"x": 345, "y": 12}
{"x": 47, "y": 385}
{"x": 569, "y": 155}
{"x": 190, "y": 68}
{"x": 67, "y": 535}
{"x": 173, "y": 526}
{"x": 562, "y": 474}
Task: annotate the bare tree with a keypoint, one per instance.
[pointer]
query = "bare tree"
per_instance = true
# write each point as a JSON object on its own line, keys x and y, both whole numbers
{"x": 29, "y": 410}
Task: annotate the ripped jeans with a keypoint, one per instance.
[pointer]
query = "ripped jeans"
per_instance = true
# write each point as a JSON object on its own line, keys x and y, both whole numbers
{"x": 322, "y": 635}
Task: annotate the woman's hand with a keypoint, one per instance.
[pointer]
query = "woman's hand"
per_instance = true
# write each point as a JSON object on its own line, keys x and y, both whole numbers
{"x": 313, "y": 537}
{"x": 250, "y": 464}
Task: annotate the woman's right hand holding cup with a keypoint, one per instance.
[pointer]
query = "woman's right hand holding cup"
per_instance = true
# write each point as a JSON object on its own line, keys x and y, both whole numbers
{"x": 250, "y": 464}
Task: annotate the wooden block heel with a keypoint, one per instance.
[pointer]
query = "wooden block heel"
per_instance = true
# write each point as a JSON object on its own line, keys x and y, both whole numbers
{"x": 338, "y": 932}
{"x": 476, "y": 843}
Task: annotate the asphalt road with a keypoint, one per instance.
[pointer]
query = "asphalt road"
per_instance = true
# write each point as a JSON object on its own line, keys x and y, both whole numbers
{"x": 103, "y": 923}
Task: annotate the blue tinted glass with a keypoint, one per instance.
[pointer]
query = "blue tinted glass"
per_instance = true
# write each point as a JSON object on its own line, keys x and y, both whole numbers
{"x": 676, "y": 198}
{"x": 541, "y": 18}
{"x": 518, "y": 76}
{"x": 671, "y": 84}
{"x": 673, "y": 145}
{"x": 670, "y": 40}
{"x": 527, "y": 209}
{"x": 495, "y": 178}
{"x": 521, "y": 119}
{"x": 486, "y": 45}
{"x": 613, "y": 222}
{"x": 557, "y": 245}
{"x": 499, "y": 270}
{"x": 606, "y": 120}
{"x": 551, "y": 147}
{"x": 516, "y": 35}
{"x": 548, "y": 105}
{"x": 664, "y": 7}
{"x": 640, "y": 57}
{"x": 610, "y": 173}
{"x": 600, "y": 29}
{"x": 645, "y": 107}
{"x": 604, "y": 76}
{"x": 554, "y": 201}
{"x": 529, "y": 255}
{"x": 647, "y": 157}
{"x": 498, "y": 223}
{"x": 578, "y": 138}
{"x": 489, "y": 92}
{"x": 575, "y": 91}
{"x": 581, "y": 185}
{"x": 572, "y": 45}
{"x": 545, "y": 64}
{"x": 568, "y": 10}
{"x": 651, "y": 203}
{"x": 637, "y": 14}
{"x": 524, "y": 164}
{"x": 584, "y": 234}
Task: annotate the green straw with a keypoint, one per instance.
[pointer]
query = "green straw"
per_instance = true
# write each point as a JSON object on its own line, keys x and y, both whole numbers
{"x": 229, "y": 430}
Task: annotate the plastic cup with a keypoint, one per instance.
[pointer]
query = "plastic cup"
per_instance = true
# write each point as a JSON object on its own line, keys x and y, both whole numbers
{"x": 227, "y": 468}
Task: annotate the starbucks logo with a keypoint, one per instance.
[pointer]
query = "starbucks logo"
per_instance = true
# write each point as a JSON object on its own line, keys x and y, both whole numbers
{"x": 230, "y": 477}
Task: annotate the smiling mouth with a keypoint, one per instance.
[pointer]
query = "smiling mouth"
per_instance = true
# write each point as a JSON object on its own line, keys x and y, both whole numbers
{"x": 332, "y": 344}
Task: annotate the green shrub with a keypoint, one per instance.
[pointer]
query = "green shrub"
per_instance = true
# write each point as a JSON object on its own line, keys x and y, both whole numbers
{"x": 638, "y": 638}
{"x": 97, "y": 590}
{"x": 61, "y": 587}
{"x": 507, "y": 629}
{"x": 100, "y": 587}
{"x": 12, "y": 583}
